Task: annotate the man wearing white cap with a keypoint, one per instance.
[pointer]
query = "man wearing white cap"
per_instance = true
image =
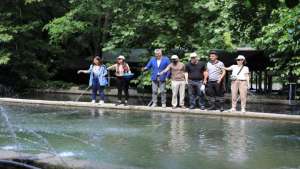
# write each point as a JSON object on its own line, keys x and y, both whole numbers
{"x": 239, "y": 82}
{"x": 195, "y": 72}
{"x": 178, "y": 80}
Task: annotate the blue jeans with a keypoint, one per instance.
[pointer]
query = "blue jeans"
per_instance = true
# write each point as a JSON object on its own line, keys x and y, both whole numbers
{"x": 194, "y": 89}
{"x": 95, "y": 87}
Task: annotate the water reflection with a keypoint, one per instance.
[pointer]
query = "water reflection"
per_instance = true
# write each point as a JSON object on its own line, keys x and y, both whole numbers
{"x": 236, "y": 140}
{"x": 177, "y": 141}
{"x": 95, "y": 112}
{"x": 155, "y": 140}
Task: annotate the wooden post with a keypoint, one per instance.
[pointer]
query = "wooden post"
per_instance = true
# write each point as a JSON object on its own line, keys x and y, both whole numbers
{"x": 265, "y": 81}
{"x": 270, "y": 83}
{"x": 256, "y": 82}
{"x": 260, "y": 81}
{"x": 251, "y": 80}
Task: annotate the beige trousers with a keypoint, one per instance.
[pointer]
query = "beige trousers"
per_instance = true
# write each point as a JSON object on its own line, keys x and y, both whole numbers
{"x": 241, "y": 87}
{"x": 178, "y": 86}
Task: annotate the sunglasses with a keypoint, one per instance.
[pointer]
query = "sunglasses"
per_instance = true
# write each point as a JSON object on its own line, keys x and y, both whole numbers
{"x": 239, "y": 60}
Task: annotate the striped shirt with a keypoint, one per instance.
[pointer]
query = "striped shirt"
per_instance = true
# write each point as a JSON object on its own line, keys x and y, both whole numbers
{"x": 214, "y": 70}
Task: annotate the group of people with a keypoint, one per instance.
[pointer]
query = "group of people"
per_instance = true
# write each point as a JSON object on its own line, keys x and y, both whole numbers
{"x": 203, "y": 80}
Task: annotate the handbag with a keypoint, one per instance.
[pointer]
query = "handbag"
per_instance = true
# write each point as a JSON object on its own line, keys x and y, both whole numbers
{"x": 234, "y": 77}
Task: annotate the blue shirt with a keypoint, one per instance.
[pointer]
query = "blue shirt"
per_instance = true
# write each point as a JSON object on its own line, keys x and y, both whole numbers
{"x": 152, "y": 64}
{"x": 101, "y": 73}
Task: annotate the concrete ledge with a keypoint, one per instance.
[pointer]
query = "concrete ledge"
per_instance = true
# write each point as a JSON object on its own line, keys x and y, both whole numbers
{"x": 260, "y": 115}
{"x": 135, "y": 94}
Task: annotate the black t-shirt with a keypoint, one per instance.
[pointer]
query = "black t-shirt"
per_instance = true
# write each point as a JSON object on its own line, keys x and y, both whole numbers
{"x": 195, "y": 71}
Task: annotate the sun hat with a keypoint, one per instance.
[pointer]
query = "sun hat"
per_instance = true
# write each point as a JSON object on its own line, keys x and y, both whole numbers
{"x": 121, "y": 57}
{"x": 240, "y": 57}
{"x": 193, "y": 55}
{"x": 174, "y": 57}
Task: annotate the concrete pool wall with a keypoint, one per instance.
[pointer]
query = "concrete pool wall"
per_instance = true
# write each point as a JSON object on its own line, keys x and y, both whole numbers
{"x": 260, "y": 115}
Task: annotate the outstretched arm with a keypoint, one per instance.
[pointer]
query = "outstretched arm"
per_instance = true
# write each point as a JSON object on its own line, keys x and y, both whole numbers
{"x": 112, "y": 67}
{"x": 83, "y": 71}
{"x": 165, "y": 70}
{"x": 148, "y": 66}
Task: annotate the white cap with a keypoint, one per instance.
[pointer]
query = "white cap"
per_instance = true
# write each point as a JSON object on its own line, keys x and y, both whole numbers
{"x": 174, "y": 57}
{"x": 240, "y": 57}
{"x": 121, "y": 57}
{"x": 193, "y": 55}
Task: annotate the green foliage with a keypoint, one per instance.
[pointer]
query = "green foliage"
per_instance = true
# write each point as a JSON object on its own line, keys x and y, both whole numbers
{"x": 281, "y": 39}
{"x": 37, "y": 37}
{"x": 61, "y": 28}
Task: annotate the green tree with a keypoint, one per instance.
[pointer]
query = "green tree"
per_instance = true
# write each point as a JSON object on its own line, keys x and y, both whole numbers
{"x": 280, "y": 40}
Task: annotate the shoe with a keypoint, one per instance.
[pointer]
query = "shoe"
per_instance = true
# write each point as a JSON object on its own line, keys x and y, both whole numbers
{"x": 154, "y": 105}
{"x": 93, "y": 101}
{"x": 191, "y": 107}
{"x": 183, "y": 107}
{"x": 221, "y": 109}
{"x": 243, "y": 110}
{"x": 126, "y": 103}
{"x": 232, "y": 110}
{"x": 118, "y": 103}
{"x": 163, "y": 105}
{"x": 211, "y": 108}
{"x": 101, "y": 102}
{"x": 173, "y": 107}
{"x": 202, "y": 107}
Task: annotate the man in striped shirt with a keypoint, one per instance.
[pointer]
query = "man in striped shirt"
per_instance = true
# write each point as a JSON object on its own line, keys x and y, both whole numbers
{"x": 214, "y": 82}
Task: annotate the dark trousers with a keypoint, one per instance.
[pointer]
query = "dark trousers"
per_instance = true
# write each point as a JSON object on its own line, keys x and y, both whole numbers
{"x": 194, "y": 89}
{"x": 95, "y": 88}
{"x": 122, "y": 85}
{"x": 215, "y": 92}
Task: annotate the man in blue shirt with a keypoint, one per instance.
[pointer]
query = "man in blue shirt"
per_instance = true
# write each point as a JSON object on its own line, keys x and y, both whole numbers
{"x": 157, "y": 64}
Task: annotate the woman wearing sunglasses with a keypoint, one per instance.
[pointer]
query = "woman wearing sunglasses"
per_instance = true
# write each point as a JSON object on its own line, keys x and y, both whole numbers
{"x": 239, "y": 82}
{"x": 122, "y": 69}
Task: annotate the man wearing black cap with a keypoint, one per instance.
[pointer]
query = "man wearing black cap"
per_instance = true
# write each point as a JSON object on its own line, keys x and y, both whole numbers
{"x": 214, "y": 81}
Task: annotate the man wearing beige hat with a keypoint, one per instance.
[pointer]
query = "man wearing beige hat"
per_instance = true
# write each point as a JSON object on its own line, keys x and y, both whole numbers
{"x": 178, "y": 80}
{"x": 195, "y": 72}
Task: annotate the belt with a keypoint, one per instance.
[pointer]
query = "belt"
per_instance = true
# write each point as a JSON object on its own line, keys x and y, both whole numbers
{"x": 195, "y": 79}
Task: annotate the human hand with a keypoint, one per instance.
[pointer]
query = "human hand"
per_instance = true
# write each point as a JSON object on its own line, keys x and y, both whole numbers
{"x": 204, "y": 82}
{"x": 219, "y": 81}
{"x": 79, "y": 71}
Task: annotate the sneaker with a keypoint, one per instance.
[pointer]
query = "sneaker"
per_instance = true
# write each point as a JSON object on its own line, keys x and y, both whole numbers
{"x": 232, "y": 110}
{"x": 191, "y": 107}
{"x": 173, "y": 107}
{"x": 183, "y": 107}
{"x": 221, "y": 109}
{"x": 118, "y": 103}
{"x": 202, "y": 107}
{"x": 163, "y": 105}
{"x": 93, "y": 101}
{"x": 101, "y": 102}
{"x": 154, "y": 105}
{"x": 243, "y": 110}
{"x": 211, "y": 108}
{"x": 125, "y": 103}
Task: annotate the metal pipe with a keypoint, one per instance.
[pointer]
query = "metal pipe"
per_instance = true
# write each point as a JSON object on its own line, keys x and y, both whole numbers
{"x": 9, "y": 163}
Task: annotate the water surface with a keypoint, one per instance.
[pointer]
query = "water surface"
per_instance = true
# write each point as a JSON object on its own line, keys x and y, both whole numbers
{"x": 151, "y": 139}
